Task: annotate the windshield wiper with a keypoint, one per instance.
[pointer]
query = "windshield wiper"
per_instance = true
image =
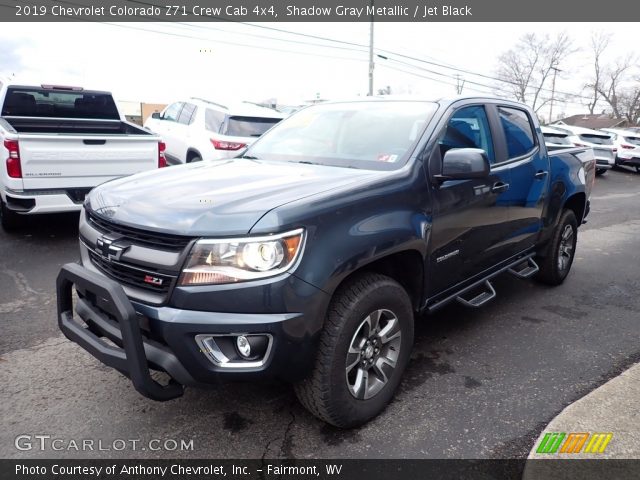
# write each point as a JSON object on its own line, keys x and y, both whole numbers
{"x": 249, "y": 157}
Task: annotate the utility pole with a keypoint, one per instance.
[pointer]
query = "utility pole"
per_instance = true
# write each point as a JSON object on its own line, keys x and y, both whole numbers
{"x": 459, "y": 84}
{"x": 371, "y": 64}
{"x": 553, "y": 93}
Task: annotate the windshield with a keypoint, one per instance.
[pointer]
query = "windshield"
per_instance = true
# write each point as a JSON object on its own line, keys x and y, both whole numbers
{"x": 46, "y": 102}
{"x": 373, "y": 135}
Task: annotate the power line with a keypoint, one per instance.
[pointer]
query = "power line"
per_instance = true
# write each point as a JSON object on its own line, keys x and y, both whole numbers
{"x": 208, "y": 28}
{"x": 212, "y": 40}
{"x": 438, "y": 64}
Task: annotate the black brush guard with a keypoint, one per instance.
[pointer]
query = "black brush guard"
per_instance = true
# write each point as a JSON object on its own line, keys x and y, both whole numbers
{"x": 131, "y": 359}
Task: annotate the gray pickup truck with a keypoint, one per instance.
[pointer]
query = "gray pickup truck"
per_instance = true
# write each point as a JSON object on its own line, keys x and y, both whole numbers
{"x": 309, "y": 257}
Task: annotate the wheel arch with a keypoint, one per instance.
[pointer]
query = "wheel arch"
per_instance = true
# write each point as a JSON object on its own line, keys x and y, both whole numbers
{"x": 405, "y": 267}
{"x": 191, "y": 154}
{"x": 578, "y": 203}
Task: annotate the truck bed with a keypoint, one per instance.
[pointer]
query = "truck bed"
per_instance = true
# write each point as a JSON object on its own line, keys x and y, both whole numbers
{"x": 70, "y": 126}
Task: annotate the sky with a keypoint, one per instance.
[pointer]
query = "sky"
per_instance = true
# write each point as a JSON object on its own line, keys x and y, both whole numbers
{"x": 164, "y": 62}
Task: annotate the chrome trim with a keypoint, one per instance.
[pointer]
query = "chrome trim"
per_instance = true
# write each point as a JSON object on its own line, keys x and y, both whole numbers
{"x": 213, "y": 353}
{"x": 251, "y": 274}
{"x": 127, "y": 265}
{"x": 262, "y": 238}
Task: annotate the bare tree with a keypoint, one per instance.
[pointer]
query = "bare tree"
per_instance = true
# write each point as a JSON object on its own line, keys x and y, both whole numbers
{"x": 612, "y": 83}
{"x": 525, "y": 69}
{"x": 599, "y": 43}
{"x": 628, "y": 102}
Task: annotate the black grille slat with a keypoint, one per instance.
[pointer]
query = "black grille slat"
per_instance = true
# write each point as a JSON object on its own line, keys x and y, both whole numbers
{"x": 130, "y": 276}
{"x": 163, "y": 241}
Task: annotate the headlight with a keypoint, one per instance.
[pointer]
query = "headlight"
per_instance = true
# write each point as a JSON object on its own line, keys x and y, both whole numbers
{"x": 241, "y": 259}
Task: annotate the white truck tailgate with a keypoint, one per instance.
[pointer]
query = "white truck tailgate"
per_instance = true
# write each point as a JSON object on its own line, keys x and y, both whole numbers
{"x": 63, "y": 161}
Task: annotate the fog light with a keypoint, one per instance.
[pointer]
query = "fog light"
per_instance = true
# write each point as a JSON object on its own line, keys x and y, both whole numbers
{"x": 243, "y": 346}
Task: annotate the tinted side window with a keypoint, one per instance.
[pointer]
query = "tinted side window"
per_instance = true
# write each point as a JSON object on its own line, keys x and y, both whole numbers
{"x": 213, "y": 120}
{"x": 517, "y": 130}
{"x": 468, "y": 128}
{"x": 172, "y": 112}
{"x": 187, "y": 114}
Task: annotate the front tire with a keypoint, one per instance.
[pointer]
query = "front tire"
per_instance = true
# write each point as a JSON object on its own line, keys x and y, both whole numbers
{"x": 555, "y": 267}
{"x": 600, "y": 171}
{"x": 363, "y": 351}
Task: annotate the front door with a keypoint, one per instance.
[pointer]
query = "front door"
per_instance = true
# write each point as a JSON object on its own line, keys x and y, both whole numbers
{"x": 470, "y": 217}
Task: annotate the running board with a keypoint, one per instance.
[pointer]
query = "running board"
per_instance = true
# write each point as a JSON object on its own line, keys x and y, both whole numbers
{"x": 514, "y": 263}
{"x": 528, "y": 271}
{"x": 480, "y": 299}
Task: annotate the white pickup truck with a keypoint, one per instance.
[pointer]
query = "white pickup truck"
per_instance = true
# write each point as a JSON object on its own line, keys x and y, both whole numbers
{"x": 57, "y": 143}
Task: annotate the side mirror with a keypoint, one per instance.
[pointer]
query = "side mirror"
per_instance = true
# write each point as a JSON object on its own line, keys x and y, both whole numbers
{"x": 156, "y": 115}
{"x": 463, "y": 164}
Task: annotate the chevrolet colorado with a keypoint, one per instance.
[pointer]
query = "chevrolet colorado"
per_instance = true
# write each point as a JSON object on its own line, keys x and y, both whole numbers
{"x": 308, "y": 257}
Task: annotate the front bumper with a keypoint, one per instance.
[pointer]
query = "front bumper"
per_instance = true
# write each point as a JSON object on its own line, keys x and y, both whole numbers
{"x": 135, "y": 338}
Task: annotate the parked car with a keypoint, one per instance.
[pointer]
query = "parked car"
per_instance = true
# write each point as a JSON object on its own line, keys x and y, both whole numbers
{"x": 628, "y": 145}
{"x": 602, "y": 144}
{"x": 198, "y": 129}
{"x": 556, "y": 139}
{"x": 309, "y": 257}
{"x": 60, "y": 142}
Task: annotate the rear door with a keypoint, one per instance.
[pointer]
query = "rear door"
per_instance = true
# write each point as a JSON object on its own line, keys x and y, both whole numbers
{"x": 470, "y": 217}
{"x": 528, "y": 165}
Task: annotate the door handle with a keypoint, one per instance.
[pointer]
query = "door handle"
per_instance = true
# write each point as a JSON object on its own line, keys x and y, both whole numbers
{"x": 499, "y": 187}
{"x": 541, "y": 174}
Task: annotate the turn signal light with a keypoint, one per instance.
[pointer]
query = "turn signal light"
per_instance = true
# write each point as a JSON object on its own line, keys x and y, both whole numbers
{"x": 14, "y": 169}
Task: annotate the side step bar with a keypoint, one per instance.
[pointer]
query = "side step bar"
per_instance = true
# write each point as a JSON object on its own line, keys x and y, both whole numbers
{"x": 480, "y": 299}
{"x": 528, "y": 271}
{"x": 489, "y": 292}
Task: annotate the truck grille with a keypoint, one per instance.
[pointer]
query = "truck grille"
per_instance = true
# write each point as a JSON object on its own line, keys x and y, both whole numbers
{"x": 162, "y": 241}
{"x": 134, "y": 277}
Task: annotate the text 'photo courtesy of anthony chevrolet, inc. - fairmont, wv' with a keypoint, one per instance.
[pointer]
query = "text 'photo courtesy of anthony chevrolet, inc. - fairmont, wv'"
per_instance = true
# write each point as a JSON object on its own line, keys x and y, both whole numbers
{"x": 355, "y": 239}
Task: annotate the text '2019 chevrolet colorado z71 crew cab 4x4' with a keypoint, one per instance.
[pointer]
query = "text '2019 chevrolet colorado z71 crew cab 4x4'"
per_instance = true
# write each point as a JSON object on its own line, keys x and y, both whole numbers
{"x": 308, "y": 257}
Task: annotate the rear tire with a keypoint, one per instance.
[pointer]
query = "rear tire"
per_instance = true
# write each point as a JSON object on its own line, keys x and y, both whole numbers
{"x": 600, "y": 171}
{"x": 363, "y": 351}
{"x": 10, "y": 220}
{"x": 555, "y": 267}
{"x": 195, "y": 158}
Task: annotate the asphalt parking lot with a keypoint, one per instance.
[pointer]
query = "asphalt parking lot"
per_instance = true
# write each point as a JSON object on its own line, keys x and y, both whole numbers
{"x": 481, "y": 383}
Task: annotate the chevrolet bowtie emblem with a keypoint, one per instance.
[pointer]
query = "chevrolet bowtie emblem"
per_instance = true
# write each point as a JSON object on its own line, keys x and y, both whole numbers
{"x": 110, "y": 249}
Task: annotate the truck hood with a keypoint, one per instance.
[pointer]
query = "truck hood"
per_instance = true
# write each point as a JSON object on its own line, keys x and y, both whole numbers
{"x": 214, "y": 198}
